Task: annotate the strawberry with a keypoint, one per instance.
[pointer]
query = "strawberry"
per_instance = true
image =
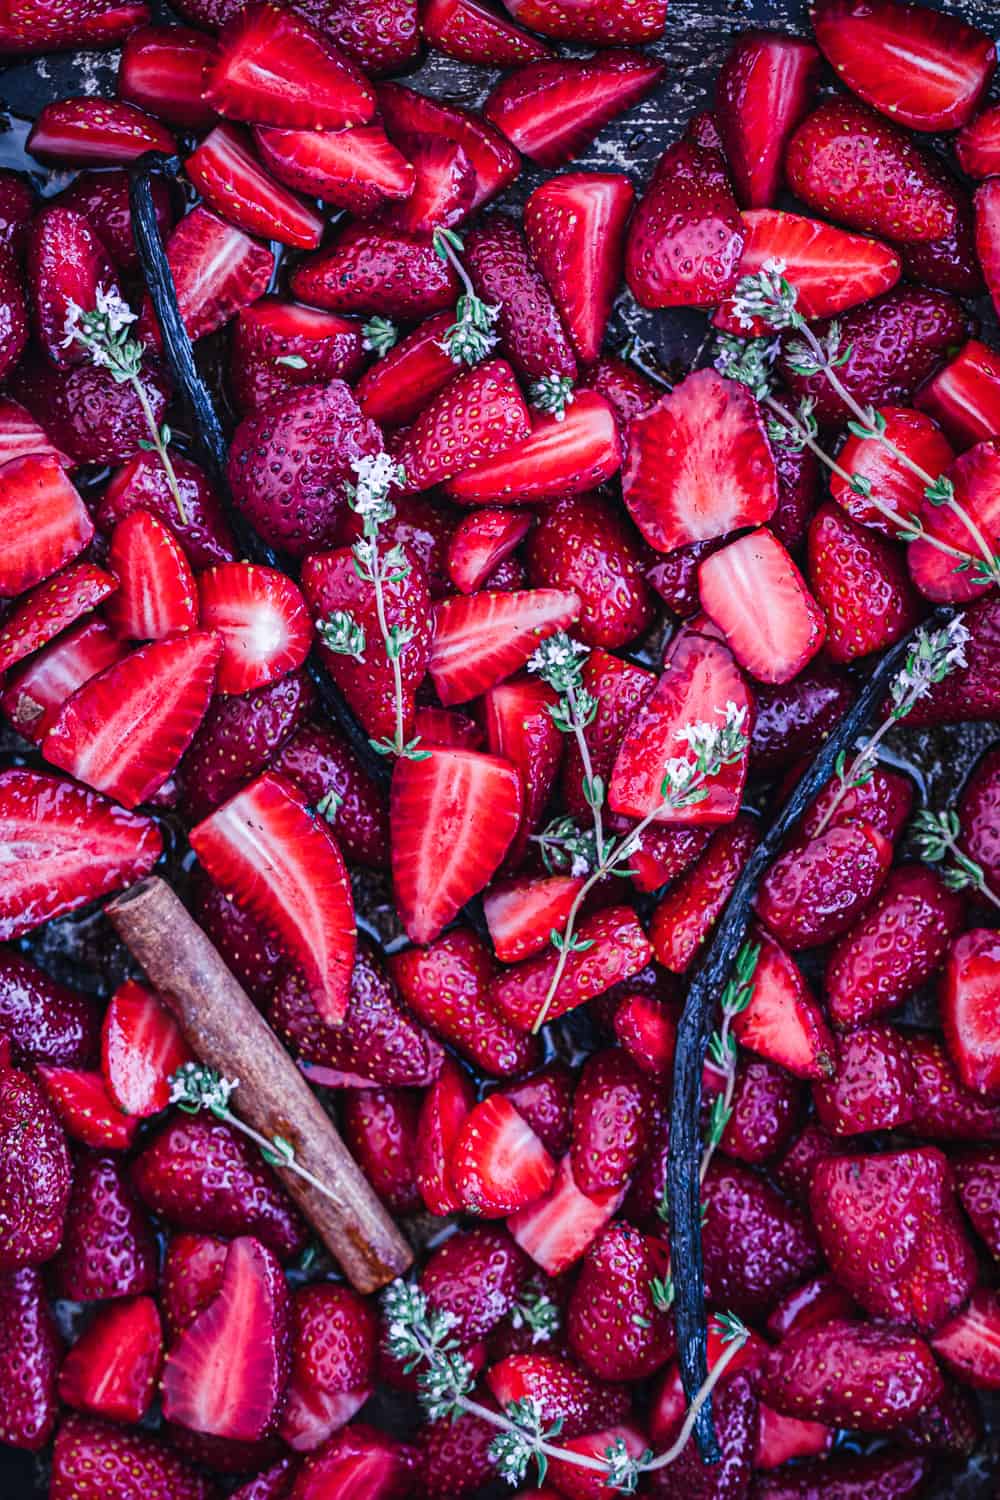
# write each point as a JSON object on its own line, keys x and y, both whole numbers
{"x": 112, "y": 1368}
{"x": 190, "y": 1278}
{"x": 851, "y": 1374}
{"x": 321, "y": 347}
{"x": 101, "y": 195}
{"x": 815, "y": 1301}
{"x": 21, "y": 435}
{"x": 978, "y": 816}
{"x": 523, "y": 912}
{"x": 67, "y": 266}
{"x": 480, "y": 541}
{"x": 544, "y": 1099}
{"x": 245, "y": 1328}
{"x": 13, "y": 313}
{"x": 756, "y": 1244}
{"x": 253, "y": 957}
{"x": 479, "y": 415}
{"x": 318, "y": 761}
{"x": 575, "y": 226}
{"x": 885, "y": 802}
{"x": 480, "y": 639}
{"x": 646, "y": 1028}
{"x": 66, "y": 846}
{"x": 379, "y": 38}
{"x": 34, "y": 1172}
{"x": 612, "y": 1111}
{"x": 35, "y": 28}
{"x": 557, "y": 1230}
{"x": 668, "y": 1404}
{"x": 592, "y": 23}
{"x": 565, "y": 1393}
{"x": 815, "y": 893}
{"x": 476, "y": 1275}
{"x": 950, "y": 1426}
{"x": 453, "y": 1457}
{"x": 358, "y": 169}
{"x": 551, "y": 111}
{"x": 230, "y": 179}
{"x": 964, "y": 395}
{"x": 274, "y": 68}
{"x": 42, "y": 614}
{"x": 686, "y": 236}
{"x": 528, "y": 325}
{"x": 919, "y": 438}
{"x": 86, "y": 413}
{"x": 474, "y": 33}
{"x": 223, "y": 1455}
{"x": 970, "y": 692}
{"x": 217, "y": 271}
{"x": 765, "y": 1109}
{"x": 380, "y": 1129}
{"x": 577, "y": 1483}
{"x": 444, "y": 1108}
{"x": 199, "y": 1174}
{"x": 357, "y": 1456}
{"x": 943, "y": 1109}
{"x": 627, "y": 391}
{"x": 873, "y": 1086}
{"x": 86, "y": 1108}
{"x": 96, "y": 1460}
{"x": 620, "y": 689}
{"x": 497, "y": 1163}
{"x": 39, "y": 501}
{"x": 699, "y": 675}
{"x": 17, "y": 205}
{"x": 445, "y": 986}
{"x": 765, "y": 87}
{"x": 753, "y": 591}
{"x": 156, "y": 593}
{"x": 616, "y": 949}
{"x": 141, "y": 1047}
{"x": 615, "y": 1329}
{"x": 976, "y": 479}
{"x": 408, "y": 113}
{"x": 45, "y": 1021}
{"x": 373, "y": 269}
{"x": 380, "y": 1043}
{"x": 271, "y": 1483}
{"x": 664, "y": 854}
{"x": 977, "y": 1175}
{"x": 848, "y": 565}
{"x": 970, "y": 1343}
{"x": 794, "y": 1172}
{"x": 888, "y": 1475}
{"x": 561, "y": 456}
{"x": 951, "y": 262}
{"x": 970, "y": 994}
{"x": 108, "y": 1249}
{"x": 739, "y": 1424}
{"x": 397, "y": 387}
{"x": 581, "y": 544}
{"x": 164, "y": 70}
{"x": 32, "y": 1350}
{"x": 262, "y": 619}
{"x": 683, "y": 920}
{"x": 783, "y": 1022}
{"x": 238, "y": 738}
{"x": 334, "y": 1333}
{"x": 89, "y": 132}
{"x": 926, "y": 70}
{"x": 443, "y": 189}
{"x": 142, "y": 485}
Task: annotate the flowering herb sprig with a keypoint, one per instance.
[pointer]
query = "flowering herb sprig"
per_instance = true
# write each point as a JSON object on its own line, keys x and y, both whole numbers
{"x": 341, "y": 632}
{"x": 104, "y": 335}
{"x": 471, "y": 337}
{"x": 937, "y": 835}
{"x": 552, "y": 393}
{"x": 558, "y": 661}
{"x": 536, "y": 1311}
{"x": 422, "y": 1339}
{"x": 711, "y": 747}
{"x": 929, "y": 659}
{"x": 723, "y": 1052}
{"x": 378, "y": 336}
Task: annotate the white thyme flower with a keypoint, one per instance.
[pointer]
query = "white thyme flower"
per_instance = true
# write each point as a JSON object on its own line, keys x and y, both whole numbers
{"x": 114, "y": 308}
{"x": 377, "y": 474}
{"x": 775, "y": 266}
{"x": 195, "y": 1087}
{"x": 580, "y": 866}
{"x": 71, "y": 323}
{"x": 559, "y": 650}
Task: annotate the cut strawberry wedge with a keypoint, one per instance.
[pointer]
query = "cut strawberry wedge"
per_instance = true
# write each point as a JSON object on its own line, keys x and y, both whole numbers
{"x": 783, "y": 1022}
{"x": 940, "y": 575}
{"x": 970, "y": 1343}
{"x": 64, "y": 845}
{"x": 443, "y": 189}
{"x": 405, "y": 113}
{"x": 50, "y": 607}
{"x": 830, "y": 268}
{"x": 43, "y": 521}
{"x": 141, "y": 1047}
{"x": 613, "y": 947}
{"x": 156, "y": 593}
{"x": 262, "y": 619}
{"x": 111, "y": 1370}
{"x": 445, "y": 1108}
{"x": 519, "y": 726}
{"x": 21, "y": 435}
{"x": 698, "y": 464}
{"x": 474, "y": 33}
{"x": 36, "y": 692}
{"x": 560, "y": 456}
{"x": 87, "y": 1110}
{"x": 275, "y": 68}
{"x": 281, "y": 865}
{"x": 124, "y": 731}
{"x": 977, "y": 144}
{"x": 67, "y": 267}
{"x": 231, "y": 179}
{"x": 970, "y": 1009}
{"x": 523, "y": 913}
{"x": 963, "y": 397}
{"x": 452, "y": 819}
{"x": 358, "y": 169}
{"x": 920, "y": 67}
{"x": 164, "y": 70}
{"x": 226, "y": 1373}
{"x": 397, "y": 387}
{"x": 481, "y": 638}
{"x": 753, "y": 591}
{"x": 765, "y": 87}
{"x": 217, "y": 271}
{"x": 480, "y": 541}
{"x": 558, "y": 1229}
{"x": 92, "y": 132}
{"x": 987, "y": 207}
{"x": 916, "y": 440}
{"x": 700, "y": 677}
{"x": 498, "y": 1164}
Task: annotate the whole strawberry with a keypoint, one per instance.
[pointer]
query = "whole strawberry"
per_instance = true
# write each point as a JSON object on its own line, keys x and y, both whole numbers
{"x": 686, "y": 236}
{"x": 756, "y": 1244}
{"x": 29, "y": 1363}
{"x": 616, "y": 1329}
{"x": 108, "y": 1249}
{"x": 102, "y": 1461}
{"x": 852, "y": 1375}
{"x": 34, "y": 1172}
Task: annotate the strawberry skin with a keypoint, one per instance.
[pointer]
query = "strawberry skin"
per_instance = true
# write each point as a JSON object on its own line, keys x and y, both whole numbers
{"x": 481, "y": 541}
{"x": 851, "y": 1374}
{"x": 970, "y": 996}
{"x": 476, "y": 34}
{"x": 978, "y": 812}
{"x": 686, "y": 237}
{"x": 964, "y": 395}
{"x": 814, "y": 894}
{"x": 32, "y": 1350}
{"x": 614, "y": 1328}
{"x": 67, "y": 265}
{"x": 874, "y": 1085}
{"x": 620, "y": 689}
{"x": 766, "y": 1105}
{"x": 976, "y": 479}
{"x": 564, "y": 1392}
{"x": 46, "y": 1022}
{"x": 521, "y": 913}
{"x": 477, "y": 1275}
{"x": 142, "y": 485}
{"x": 334, "y": 1345}
{"x": 528, "y": 325}
{"x": 253, "y": 957}
{"x": 756, "y": 1244}
{"x": 86, "y": 414}
{"x": 408, "y": 113}
{"x": 473, "y": 419}
{"x": 108, "y": 1249}
{"x": 497, "y": 1163}
{"x": 545, "y": 1099}
{"x": 101, "y": 195}
{"x": 190, "y": 1277}
{"x": 13, "y": 313}
{"x": 592, "y": 23}
{"x": 34, "y": 1173}
{"x": 369, "y": 268}
{"x": 612, "y": 1111}
{"x": 582, "y": 544}
{"x": 970, "y": 1343}
{"x": 164, "y": 70}
{"x": 96, "y": 1460}
{"x": 765, "y": 86}
{"x": 112, "y": 1368}
{"x": 617, "y": 950}
{"x": 318, "y": 761}
{"x": 861, "y": 584}
{"x": 739, "y": 1423}
{"x": 443, "y": 1111}
{"x": 397, "y": 387}
{"x": 86, "y": 1108}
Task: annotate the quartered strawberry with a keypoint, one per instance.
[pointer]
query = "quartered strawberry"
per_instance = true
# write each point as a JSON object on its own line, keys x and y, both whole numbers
{"x": 141, "y": 1047}
{"x": 970, "y": 1000}
{"x": 943, "y": 1109}
{"x": 443, "y": 1111}
{"x": 231, "y": 179}
{"x": 262, "y": 620}
{"x": 519, "y": 727}
{"x": 190, "y": 1278}
{"x": 475, "y": 33}
{"x": 575, "y": 226}
{"x": 926, "y": 70}
{"x": 476, "y": 1275}
{"x": 86, "y": 1108}
{"x": 686, "y": 237}
{"x": 613, "y": 1108}
{"x": 764, "y": 88}
{"x": 101, "y": 195}
{"x": 358, "y": 169}
{"x": 616, "y": 949}
{"x": 861, "y": 584}
{"x": 480, "y": 541}
{"x": 783, "y": 1022}
{"x": 753, "y": 591}
{"x": 38, "y": 502}
{"x": 334, "y": 1341}
{"x": 497, "y": 1162}
{"x": 89, "y": 132}
{"x": 544, "y": 1099}
{"x": 970, "y": 1343}
{"x": 893, "y": 483}
{"x": 443, "y": 189}
{"x": 620, "y": 689}
{"x": 279, "y": 345}
{"x": 813, "y": 894}
{"x": 30, "y": 1363}
{"x": 529, "y": 328}
{"x": 405, "y": 113}
{"x": 964, "y": 395}
{"x": 111, "y": 1370}
{"x": 857, "y": 1374}
{"x": 50, "y": 607}
{"x": 445, "y": 985}
{"x": 95, "y": 1460}
{"x": 592, "y": 22}
{"x": 476, "y": 417}
{"x": 557, "y": 1230}
{"x": 67, "y": 845}
{"x": 142, "y": 485}
{"x": 217, "y": 271}
{"x": 237, "y": 738}
{"x": 873, "y": 1086}
{"x": 164, "y": 70}
{"x": 34, "y": 1172}
{"x": 86, "y": 413}
{"x": 67, "y": 267}
{"x": 45, "y": 1021}
{"x": 300, "y": 891}
{"x": 615, "y": 1329}
{"x": 561, "y": 456}
{"x": 357, "y": 1456}
{"x": 582, "y": 544}
{"x": 766, "y": 1104}
{"x": 522, "y": 912}
{"x": 156, "y": 594}
{"x": 480, "y": 639}
{"x": 108, "y": 1249}
{"x": 756, "y": 1244}
{"x": 374, "y": 269}
{"x": 551, "y": 111}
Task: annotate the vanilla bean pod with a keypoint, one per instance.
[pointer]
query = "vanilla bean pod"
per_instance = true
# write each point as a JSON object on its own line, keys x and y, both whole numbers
{"x": 683, "y": 1184}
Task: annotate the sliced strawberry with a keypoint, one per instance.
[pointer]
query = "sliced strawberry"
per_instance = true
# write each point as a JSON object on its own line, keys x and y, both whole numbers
{"x": 893, "y": 483}
{"x": 646, "y": 1028}
{"x": 616, "y": 950}
{"x": 371, "y": 269}
{"x": 156, "y": 593}
{"x": 970, "y": 1343}
{"x": 278, "y": 345}
{"x": 447, "y": 728}
{"x": 445, "y": 1106}
{"x": 66, "y": 846}
{"x": 95, "y": 132}
{"x": 275, "y": 68}
{"x": 686, "y": 237}
{"x": 523, "y": 912}
{"x": 227, "y": 1371}
{"x": 781, "y": 1438}
{"x": 482, "y": 638}
{"x": 977, "y": 144}
{"x": 86, "y": 1108}
{"x": 67, "y": 267}
{"x": 217, "y": 271}
{"x": 96, "y": 1460}
{"x": 480, "y": 541}
{"x": 142, "y": 485}
{"x": 262, "y": 619}
{"x": 764, "y": 88}
{"x": 753, "y": 591}
{"x": 497, "y": 1163}
{"x": 112, "y": 1368}
{"x": 141, "y": 1048}
{"x": 50, "y": 607}
{"x": 558, "y": 1229}
{"x": 519, "y": 726}
{"x": 874, "y": 1084}
{"x": 380, "y": 1131}
{"x": 684, "y": 918}
{"x": 356, "y": 1459}
{"x": 453, "y": 817}
{"x": 164, "y": 70}
{"x": 924, "y": 69}
{"x": 593, "y": 23}
{"x": 286, "y": 869}
{"x": 319, "y": 761}
{"x": 964, "y": 396}
{"x": 815, "y": 893}
{"x": 407, "y": 113}
{"x": 698, "y": 464}
{"x": 561, "y": 456}
{"x": 528, "y": 326}
{"x": 551, "y": 111}
{"x": 699, "y": 678}
{"x": 783, "y": 1022}
{"x": 44, "y": 521}
{"x": 443, "y": 190}
{"x": 358, "y": 169}
{"x": 575, "y": 226}
{"x": 21, "y": 435}
{"x": 398, "y": 386}
{"x": 970, "y": 1003}
{"x": 474, "y": 33}
{"x": 334, "y": 1337}
{"x": 230, "y": 179}
{"x": 479, "y": 415}
{"x": 942, "y": 576}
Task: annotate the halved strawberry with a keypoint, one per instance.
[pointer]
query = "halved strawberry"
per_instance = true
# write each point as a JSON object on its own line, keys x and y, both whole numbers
{"x": 448, "y": 728}
{"x": 398, "y": 386}
{"x": 67, "y": 267}
{"x": 923, "y": 68}
{"x": 264, "y": 848}
{"x": 592, "y": 22}
{"x": 576, "y": 232}
{"x": 497, "y": 1163}
{"x": 938, "y": 575}
{"x": 358, "y": 169}
{"x": 519, "y": 726}
{"x": 558, "y": 1229}
{"x": 964, "y": 396}
{"x": 156, "y": 593}
{"x": 970, "y": 1343}
{"x": 141, "y": 1047}
{"x": 164, "y": 70}
{"x": 111, "y": 1370}
{"x": 278, "y": 345}
{"x": 753, "y": 591}
{"x": 480, "y": 541}
{"x": 86, "y": 1108}
{"x": 217, "y": 271}
{"x": 96, "y": 133}
{"x": 444, "y": 1109}
{"x": 452, "y": 817}
{"x": 41, "y": 614}
{"x": 765, "y": 86}
{"x": 21, "y": 435}
{"x": 261, "y": 617}
{"x": 408, "y": 113}
{"x": 523, "y": 912}
{"x": 226, "y": 1373}
{"x": 230, "y": 179}
{"x": 40, "y": 26}
{"x": 783, "y": 1022}
{"x": 698, "y": 464}
{"x": 35, "y": 693}
{"x": 560, "y": 456}
{"x": 893, "y": 482}
{"x": 479, "y": 639}
{"x": 371, "y": 268}
{"x": 443, "y": 189}
{"x": 275, "y": 68}
{"x": 970, "y": 1007}
{"x": 474, "y": 33}
{"x": 478, "y": 416}
{"x": 124, "y": 731}
{"x": 977, "y": 144}
{"x": 43, "y": 521}
{"x": 686, "y": 237}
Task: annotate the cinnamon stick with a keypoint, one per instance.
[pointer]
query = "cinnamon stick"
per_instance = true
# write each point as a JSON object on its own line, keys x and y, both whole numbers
{"x": 226, "y": 1031}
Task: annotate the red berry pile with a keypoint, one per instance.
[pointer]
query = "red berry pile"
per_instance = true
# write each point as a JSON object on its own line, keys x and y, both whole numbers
{"x": 583, "y": 630}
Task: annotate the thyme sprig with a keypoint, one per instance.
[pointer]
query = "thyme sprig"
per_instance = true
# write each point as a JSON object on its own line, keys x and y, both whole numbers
{"x": 558, "y": 661}
{"x": 552, "y": 394}
{"x": 471, "y": 337}
{"x": 378, "y": 336}
{"x": 937, "y": 835}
